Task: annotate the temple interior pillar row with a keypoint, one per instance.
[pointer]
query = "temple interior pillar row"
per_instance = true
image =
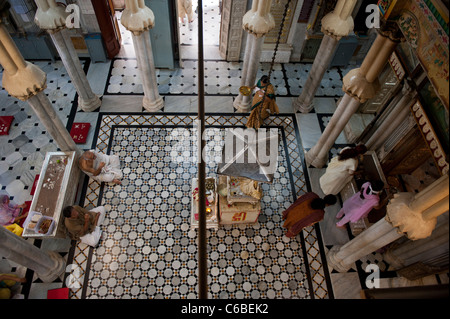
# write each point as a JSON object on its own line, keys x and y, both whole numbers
{"x": 359, "y": 85}
{"x": 52, "y": 18}
{"x": 27, "y": 82}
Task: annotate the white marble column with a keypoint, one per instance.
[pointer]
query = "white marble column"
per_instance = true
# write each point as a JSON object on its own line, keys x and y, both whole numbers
{"x": 391, "y": 122}
{"x": 139, "y": 19}
{"x": 52, "y": 18}
{"x": 335, "y": 25}
{"x": 410, "y": 252}
{"x": 48, "y": 265}
{"x": 359, "y": 85}
{"x": 257, "y": 22}
{"x": 25, "y": 81}
{"x": 416, "y": 214}
{"x": 413, "y": 215}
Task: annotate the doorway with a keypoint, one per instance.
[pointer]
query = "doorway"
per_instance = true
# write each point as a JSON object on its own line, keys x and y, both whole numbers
{"x": 211, "y": 32}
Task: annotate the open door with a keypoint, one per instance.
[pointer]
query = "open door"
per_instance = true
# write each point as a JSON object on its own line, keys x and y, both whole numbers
{"x": 104, "y": 12}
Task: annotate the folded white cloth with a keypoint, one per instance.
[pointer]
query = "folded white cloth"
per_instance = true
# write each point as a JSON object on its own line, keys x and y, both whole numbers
{"x": 93, "y": 238}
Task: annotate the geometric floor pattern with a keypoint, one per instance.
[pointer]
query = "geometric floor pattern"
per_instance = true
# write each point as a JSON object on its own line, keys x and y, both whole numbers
{"x": 148, "y": 249}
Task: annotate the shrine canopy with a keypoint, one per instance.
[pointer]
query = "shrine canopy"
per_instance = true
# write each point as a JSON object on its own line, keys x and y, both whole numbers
{"x": 250, "y": 153}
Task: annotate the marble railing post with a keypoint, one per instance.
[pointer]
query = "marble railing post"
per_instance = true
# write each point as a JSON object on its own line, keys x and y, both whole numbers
{"x": 27, "y": 82}
{"x": 52, "y": 18}
{"x": 48, "y": 265}
{"x": 257, "y": 22}
{"x": 409, "y": 214}
{"x": 139, "y": 19}
{"x": 335, "y": 25}
{"x": 359, "y": 85}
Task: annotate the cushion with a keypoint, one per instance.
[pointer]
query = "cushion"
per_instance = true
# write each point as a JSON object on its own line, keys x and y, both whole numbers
{"x": 79, "y": 132}
{"x": 59, "y": 293}
{"x": 24, "y": 211}
{"x": 33, "y": 188}
{"x": 5, "y": 124}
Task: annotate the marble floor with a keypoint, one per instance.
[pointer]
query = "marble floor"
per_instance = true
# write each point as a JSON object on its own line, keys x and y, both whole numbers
{"x": 147, "y": 248}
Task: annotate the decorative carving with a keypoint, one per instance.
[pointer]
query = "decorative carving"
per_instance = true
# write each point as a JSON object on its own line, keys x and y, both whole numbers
{"x": 231, "y": 29}
{"x": 391, "y": 30}
{"x": 49, "y": 16}
{"x": 408, "y": 221}
{"x": 136, "y": 17}
{"x": 396, "y": 65}
{"x": 430, "y": 137}
{"x": 427, "y": 32}
{"x": 339, "y": 23}
{"x": 356, "y": 85}
{"x": 258, "y": 21}
{"x": 410, "y": 27}
{"x": 277, "y": 10}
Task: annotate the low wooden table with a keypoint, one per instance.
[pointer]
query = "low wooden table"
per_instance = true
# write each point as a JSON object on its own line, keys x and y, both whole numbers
{"x": 56, "y": 188}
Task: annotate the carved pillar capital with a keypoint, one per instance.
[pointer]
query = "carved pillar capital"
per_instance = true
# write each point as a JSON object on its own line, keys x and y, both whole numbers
{"x": 389, "y": 29}
{"x": 339, "y": 23}
{"x": 137, "y": 17}
{"x": 259, "y": 21}
{"x": 362, "y": 83}
{"x": 415, "y": 215}
{"x": 356, "y": 85}
{"x": 21, "y": 79}
{"x": 49, "y": 16}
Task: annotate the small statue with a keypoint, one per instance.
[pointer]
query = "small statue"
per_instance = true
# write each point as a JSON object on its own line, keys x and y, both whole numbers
{"x": 263, "y": 103}
{"x": 250, "y": 188}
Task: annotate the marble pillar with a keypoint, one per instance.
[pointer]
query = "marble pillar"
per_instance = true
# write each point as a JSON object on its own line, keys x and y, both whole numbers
{"x": 52, "y": 18}
{"x": 408, "y": 214}
{"x": 416, "y": 214}
{"x": 139, "y": 19}
{"x": 391, "y": 122}
{"x": 25, "y": 81}
{"x": 257, "y": 22}
{"x": 359, "y": 85}
{"x": 48, "y": 265}
{"x": 410, "y": 252}
{"x": 335, "y": 25}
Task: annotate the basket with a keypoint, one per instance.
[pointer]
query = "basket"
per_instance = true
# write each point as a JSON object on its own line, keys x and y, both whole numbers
{"x": 28, "y": 220}
{"x": 50, "y": 229}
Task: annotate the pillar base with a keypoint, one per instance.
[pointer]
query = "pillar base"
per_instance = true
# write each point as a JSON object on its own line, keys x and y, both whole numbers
{"x": 303, "y": 107}
{"x": 89, "y": 105}
{"x": 153, "y": 106}
{"x": 314, "y": 160}
{"x": 333, "y": 262}
{"x": 58, "y": 270}
{"x": 241, "y": 106}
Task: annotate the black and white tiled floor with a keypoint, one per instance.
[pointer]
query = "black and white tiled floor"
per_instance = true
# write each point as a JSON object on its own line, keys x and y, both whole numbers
{"x": 147, "y": 248}
{"x": 247, "y": 261}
